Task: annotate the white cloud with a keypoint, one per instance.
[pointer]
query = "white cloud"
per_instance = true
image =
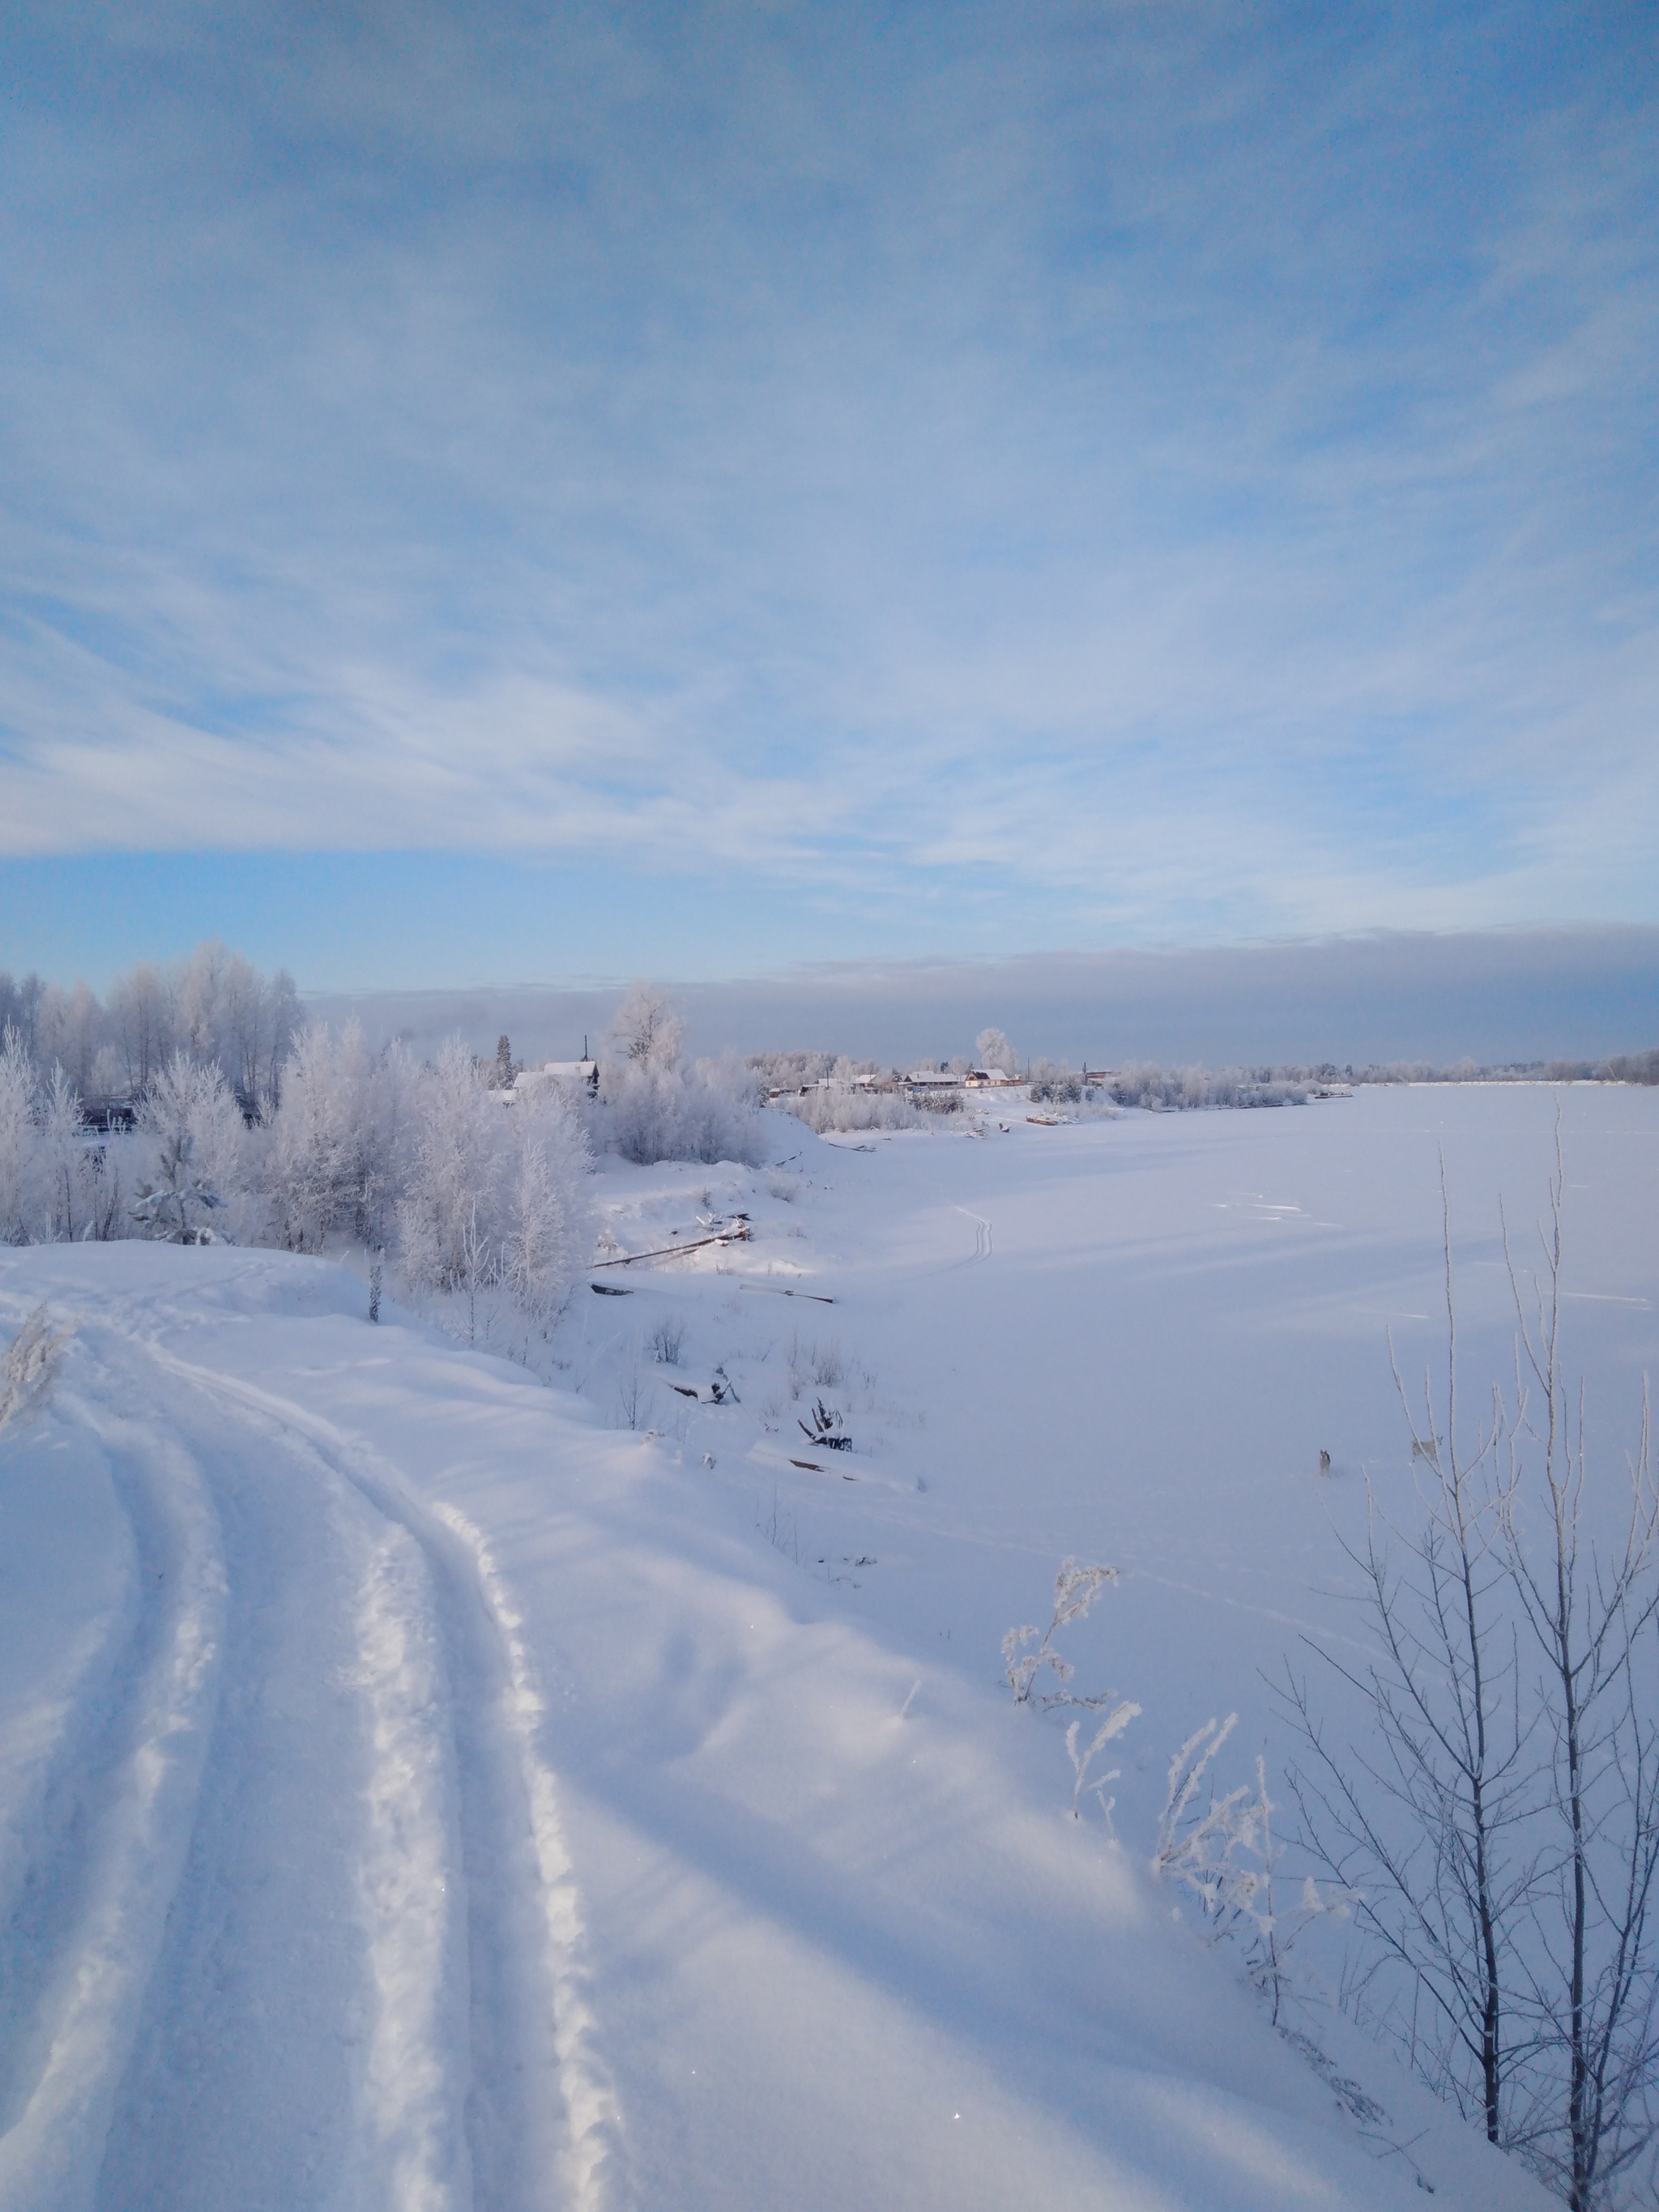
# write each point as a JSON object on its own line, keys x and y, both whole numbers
{"x": 1188, "y": 480}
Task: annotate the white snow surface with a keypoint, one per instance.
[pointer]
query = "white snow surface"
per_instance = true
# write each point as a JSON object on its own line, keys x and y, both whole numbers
{"x": 420, "y": 1790}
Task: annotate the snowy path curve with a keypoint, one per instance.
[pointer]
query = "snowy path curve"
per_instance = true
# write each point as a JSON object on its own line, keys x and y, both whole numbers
{"x": 313, "y": 1936}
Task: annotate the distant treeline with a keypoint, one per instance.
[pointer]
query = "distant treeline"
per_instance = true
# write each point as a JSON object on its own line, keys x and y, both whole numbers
{"x": 215, "y": 1008}
{"x": 1171, "y": 1090}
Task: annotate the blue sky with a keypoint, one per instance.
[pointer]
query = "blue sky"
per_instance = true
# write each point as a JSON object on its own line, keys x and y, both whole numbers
{"x": 543, "y": 494}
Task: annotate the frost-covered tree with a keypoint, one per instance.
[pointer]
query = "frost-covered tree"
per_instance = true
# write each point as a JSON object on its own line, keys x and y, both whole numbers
{"x": 69, "y": 1031}
{"x": 21, "y": 1208}
{"x": 141, "y": 1023}
{"x": 495, "y": 1190}
{"x": 992, "y": 1051}
{"x": 341, "y": 1140}
{"x": 68, "y": 1167}
{"x": 308, "y": 1169}
{"x": 459, "y": 1163}
{"x": 20, "y": 1005}
{"x": 193, "y": 1143}
{"x": 645, "y": 1030}
{"x": 546, "y": 1232}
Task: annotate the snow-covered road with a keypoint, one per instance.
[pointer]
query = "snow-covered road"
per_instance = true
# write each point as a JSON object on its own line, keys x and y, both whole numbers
{"x": 299, "y": 1917}
{"x": 419, "y": 1790}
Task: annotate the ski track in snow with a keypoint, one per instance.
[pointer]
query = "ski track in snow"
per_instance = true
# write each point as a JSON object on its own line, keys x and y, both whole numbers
{"x": 427, "y": 2043}
{"x": 983, "y": 1246}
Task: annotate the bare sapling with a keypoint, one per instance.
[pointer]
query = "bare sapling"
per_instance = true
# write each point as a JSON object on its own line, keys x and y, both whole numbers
{"x": 1426, "y": 1825}
{"x": 668, "y": 1341}
{"x": 1495, "y": 1799}
{"x": 1591, "y": 1983}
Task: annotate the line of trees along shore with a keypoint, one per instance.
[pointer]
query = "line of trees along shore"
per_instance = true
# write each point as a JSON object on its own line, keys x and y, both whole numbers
{"x": 216, "y": 1113}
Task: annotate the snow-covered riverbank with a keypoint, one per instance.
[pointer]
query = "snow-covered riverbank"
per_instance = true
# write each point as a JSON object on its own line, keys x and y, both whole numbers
{"x": 425, "y": 1788}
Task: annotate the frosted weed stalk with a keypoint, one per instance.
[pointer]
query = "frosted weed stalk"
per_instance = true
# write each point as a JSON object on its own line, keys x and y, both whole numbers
{"x": 1220, "y": 1848}
{"x": 31, "y": 1364}
{"x": 1224, "y": 1853}
{"x": 1076, "y": 1588}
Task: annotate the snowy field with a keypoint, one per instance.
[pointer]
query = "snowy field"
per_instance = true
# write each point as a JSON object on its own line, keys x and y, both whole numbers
{"x": 423, "y": 1787}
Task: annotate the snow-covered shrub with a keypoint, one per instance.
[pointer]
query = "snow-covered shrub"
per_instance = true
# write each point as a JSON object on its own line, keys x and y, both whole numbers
{"x": 652, "y": 1105}
{"x": 667, "y": 1341}
{"x": 650, "y": 1113}
{"x": 844, "y": 1108}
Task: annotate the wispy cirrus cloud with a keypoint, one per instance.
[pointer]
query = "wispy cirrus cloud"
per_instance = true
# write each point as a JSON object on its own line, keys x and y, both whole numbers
{"x": 1183, "y": 475}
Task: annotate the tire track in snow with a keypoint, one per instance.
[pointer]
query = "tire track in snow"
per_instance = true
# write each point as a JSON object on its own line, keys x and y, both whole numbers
{"x": 520, "y": 1893}
{"x": 100, "y": 1924}
{"x": 408, "y": 1876}
{"x": 593, "y": 2151}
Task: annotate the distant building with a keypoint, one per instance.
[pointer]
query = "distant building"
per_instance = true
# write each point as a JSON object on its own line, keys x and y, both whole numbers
{"x": 574, "y": 1074}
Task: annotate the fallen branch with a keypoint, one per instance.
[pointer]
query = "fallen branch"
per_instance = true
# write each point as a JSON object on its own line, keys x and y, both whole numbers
{"x": 737, "y": 1235}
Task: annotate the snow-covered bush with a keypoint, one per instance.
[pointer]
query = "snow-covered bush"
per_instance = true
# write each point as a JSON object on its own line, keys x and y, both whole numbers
{"x": 652, "y": 1105}
{"x": 1025, "y": 1659}
{"x": 844, "y": 1108}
